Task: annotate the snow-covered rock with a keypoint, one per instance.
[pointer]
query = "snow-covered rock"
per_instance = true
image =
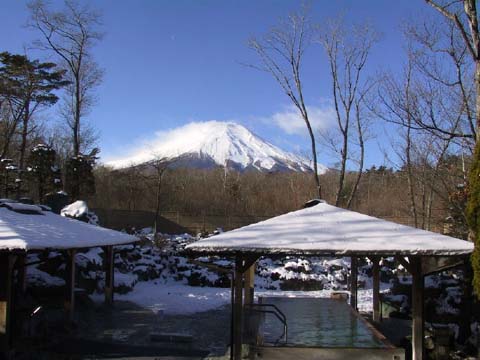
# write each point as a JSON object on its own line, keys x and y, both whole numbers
{"x": 75, "y": 210}
{"x": 79, "y": 210}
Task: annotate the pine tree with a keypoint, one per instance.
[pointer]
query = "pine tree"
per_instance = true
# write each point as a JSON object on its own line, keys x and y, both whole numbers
{"x": 27, "y": 85}
{"x": 43, "y": 172}
{"x": 79, "y": 178}
{"x": 8, "y": 174}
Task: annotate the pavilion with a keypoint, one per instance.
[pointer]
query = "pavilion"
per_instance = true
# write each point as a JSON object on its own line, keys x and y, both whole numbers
{"x": 325, "y": 230}
{"x": 25, "y": 228}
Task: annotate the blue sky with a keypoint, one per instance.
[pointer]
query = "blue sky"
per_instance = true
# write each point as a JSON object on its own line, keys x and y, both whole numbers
{"x": 168, "y": 63}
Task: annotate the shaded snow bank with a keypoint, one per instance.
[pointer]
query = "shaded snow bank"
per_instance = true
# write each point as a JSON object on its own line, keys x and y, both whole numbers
{"x": 176, "y": 298}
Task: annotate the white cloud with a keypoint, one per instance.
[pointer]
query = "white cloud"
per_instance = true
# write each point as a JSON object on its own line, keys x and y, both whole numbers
{"x": 321, "y": 118}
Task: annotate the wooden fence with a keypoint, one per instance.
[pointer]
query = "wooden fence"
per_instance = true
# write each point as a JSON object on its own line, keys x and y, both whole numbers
{"x": 174, "y": 222}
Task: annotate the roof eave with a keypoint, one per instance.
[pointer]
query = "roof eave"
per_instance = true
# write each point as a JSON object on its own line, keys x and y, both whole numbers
{"x": 226, "y": 251}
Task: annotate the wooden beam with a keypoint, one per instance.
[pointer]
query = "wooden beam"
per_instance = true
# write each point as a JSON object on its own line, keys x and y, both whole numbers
{"x": 433, "y": 264}
{"x": 7, "y": 262}
{"x": 69, "y": 302}
{"x": 238, "y": 309}
{"x": 353, "y": 281}
{"x": 246, "y": 262}
{"x": 407, "y": 265}
{"x": 210, "y": 266}
{"x": 249, "y": 284}
{"x": 109, "y": 271}
{"x": 417, "y": 309}
{"x": 376, "y": 288}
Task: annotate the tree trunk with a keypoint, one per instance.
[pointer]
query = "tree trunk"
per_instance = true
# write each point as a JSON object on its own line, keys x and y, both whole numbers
{"x": 477, "y": 97}
{"x": 157, "y": 207}
{"x": 9, "y": 135}
{"x": 362, "y": 157}
{"x": 23, "y": 147}
{"x": 343, "y": 167}
{"x": 314, "y": 155}
{"x": 411, "y": 187}
{"x": 76, "y": 120}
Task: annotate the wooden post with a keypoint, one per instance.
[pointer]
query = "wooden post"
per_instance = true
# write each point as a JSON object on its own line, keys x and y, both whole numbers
{"x": 376, "y": 289}
{"x": 353, "y": 282}
{"x": 249, "y": 284}
{"x": 22, "y": 273}
{"x": 417, "y": 308}
{"x": 232, "y": 313}
{"x": 109, "y": 271}
{"x": 69, "y": 304}
{"x": 237, "y": 310}
{"x": 7, "y": 261}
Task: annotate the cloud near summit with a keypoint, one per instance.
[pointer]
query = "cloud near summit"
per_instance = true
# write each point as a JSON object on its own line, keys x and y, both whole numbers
{"x": 291, "y": 122}
{"x": 288, "y": 120}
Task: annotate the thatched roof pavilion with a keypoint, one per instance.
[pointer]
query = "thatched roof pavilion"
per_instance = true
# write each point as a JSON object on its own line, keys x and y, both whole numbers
{"x": 25, "y": 228}
{"x": 325, "y": 230}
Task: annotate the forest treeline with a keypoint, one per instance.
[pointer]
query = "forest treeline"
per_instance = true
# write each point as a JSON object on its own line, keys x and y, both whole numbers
{"x": 439, "y": 192}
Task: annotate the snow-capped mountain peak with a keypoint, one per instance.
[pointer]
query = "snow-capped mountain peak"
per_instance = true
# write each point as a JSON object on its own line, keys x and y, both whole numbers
{"x": 215, "y": 143}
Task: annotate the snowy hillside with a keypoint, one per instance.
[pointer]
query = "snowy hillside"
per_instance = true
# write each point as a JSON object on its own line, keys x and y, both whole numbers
{"x": 214, "y": 143}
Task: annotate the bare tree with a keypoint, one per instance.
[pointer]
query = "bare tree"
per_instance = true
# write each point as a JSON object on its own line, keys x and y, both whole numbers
{"x": 347, "y": 51}
{"x": 441, "y": 71}
{"x": 404, "y": 100}
{"x": 397, "y": 105}
{"x": 281, "y": 53}
{"x": 361, "y": 125}
{"x": 70, "y": 35}
{"x": 433, "y": 102}
{"x": 465, "y": 20}
{"x": 160, "y": 166}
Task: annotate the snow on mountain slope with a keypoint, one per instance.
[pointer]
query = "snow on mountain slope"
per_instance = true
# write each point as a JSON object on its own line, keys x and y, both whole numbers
{"x": 215, "y": 143}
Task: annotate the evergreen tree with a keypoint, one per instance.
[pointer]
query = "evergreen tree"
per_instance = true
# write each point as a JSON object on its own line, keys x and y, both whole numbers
{"x": 79, "y": 178}
{"x": 43, "y": 172}
{"x": 8, "y": 174}
{"x": 30, "y": 84}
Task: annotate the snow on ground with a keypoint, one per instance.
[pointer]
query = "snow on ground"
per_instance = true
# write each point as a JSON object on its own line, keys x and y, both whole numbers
{"x": 365, "y": 297}
{"x": 42, "y": 278}
{"x": 176, "y": 298}
{"x": 121, "y": 279}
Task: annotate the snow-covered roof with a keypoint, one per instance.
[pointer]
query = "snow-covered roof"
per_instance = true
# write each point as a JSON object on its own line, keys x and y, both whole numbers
{"x": 328, "y": 230}
{"x": 46, "y": 230}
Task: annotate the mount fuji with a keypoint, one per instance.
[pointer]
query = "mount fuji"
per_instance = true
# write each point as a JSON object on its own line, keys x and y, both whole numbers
{"x": 213, "y": 143}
